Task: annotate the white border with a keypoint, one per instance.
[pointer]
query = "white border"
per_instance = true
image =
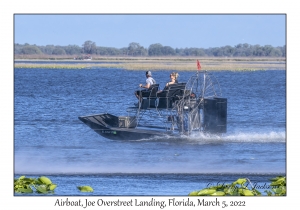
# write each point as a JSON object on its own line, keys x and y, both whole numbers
{"x": 8, "y": 8}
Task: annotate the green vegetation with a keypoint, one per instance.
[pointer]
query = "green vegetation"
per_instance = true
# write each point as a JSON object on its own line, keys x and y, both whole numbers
{"x": 278, "y": 186}
{"x": 28, "y": 185}
{"x": 136, "y": 50}
{"x": 155, "y": 57}
{"x": 51, "y": 66}
{"x": 85, "y": 188}
{"x": 40, "y": 185}
{"x": 169, "y": 63}
{"x": 239, "y": 188}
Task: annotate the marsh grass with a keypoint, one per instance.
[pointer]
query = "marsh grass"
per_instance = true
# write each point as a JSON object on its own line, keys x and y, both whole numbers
{"x": 168, "y": 63}
{"x": 50, "y": 66}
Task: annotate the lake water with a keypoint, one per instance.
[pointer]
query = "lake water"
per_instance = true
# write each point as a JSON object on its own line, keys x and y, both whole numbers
{"x": 49, "y": 139}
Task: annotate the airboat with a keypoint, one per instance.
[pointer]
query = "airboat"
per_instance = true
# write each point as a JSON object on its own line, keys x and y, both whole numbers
{"x": 181, "y": 109}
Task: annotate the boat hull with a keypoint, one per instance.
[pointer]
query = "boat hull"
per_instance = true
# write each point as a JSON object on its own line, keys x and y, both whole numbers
{"x": 109, "y": 130}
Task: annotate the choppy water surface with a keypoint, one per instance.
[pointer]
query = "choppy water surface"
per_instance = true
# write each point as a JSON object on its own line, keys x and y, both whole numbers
{"x": 50, "y": 140}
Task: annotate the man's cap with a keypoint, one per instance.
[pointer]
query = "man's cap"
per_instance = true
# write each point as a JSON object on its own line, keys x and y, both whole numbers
{"x": 148, "y": 73}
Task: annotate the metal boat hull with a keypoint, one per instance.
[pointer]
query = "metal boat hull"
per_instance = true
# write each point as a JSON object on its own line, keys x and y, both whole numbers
{"x": 110, "y": 131}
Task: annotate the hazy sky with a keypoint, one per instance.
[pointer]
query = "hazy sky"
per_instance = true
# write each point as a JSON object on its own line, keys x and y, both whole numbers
{"x": 177, "y": 31}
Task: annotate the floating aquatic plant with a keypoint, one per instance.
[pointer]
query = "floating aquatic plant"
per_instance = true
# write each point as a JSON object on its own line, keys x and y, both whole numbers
{"x": 85, "y": 188}
{"x": 234, "y": 189}
{"x": 278, "y": 186}
{"x": 28, "y": 185}
{"x": 238, "y": 188}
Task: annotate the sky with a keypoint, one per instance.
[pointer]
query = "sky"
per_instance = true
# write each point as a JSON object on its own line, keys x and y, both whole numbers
{"x": 175, "y": 30}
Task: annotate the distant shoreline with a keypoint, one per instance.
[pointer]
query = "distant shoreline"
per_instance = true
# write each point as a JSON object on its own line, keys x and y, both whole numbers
{"x": 160, "y": 63}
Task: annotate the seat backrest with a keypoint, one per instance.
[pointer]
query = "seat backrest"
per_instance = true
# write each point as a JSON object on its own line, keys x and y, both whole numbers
{"x": 154, "y": 86}
{"x": 178, "y": 90}
{"x": 176, "y": 85}
{"x": 153, "y": 90}
{"x": 172, "y": 89}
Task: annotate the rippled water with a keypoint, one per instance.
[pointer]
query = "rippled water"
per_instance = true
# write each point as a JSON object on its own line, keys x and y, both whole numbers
{"x": 50, "y": 140}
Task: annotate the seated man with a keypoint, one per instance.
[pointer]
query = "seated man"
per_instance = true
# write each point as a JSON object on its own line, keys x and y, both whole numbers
{"x": 149, "y": 81}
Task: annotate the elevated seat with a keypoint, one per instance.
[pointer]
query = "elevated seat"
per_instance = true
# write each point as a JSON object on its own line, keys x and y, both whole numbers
{"x": 169, "y": 95}
{"x": 150, "y": 92}
{"x": 149, "y": 97}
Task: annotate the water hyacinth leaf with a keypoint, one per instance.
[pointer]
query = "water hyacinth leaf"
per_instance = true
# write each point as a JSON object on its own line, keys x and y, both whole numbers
{"x": 218, "y": 193}
{"x": 28, "y": 180}
{"x": 281, "y": 181}
{"x": 279, "y": 190}
{"x": 52, "y": 186}
{"x": 238, "y": 188}
{"x": 25, "y": 190}
{"x": 194, "y": 193}
{"x": 276, "y": 178}
{"x": 85, "y": 188}
{"x": 246, "y": 192}
{"x": 222, "y": 187}
{"x": 28, "y": 185}
{"x": 41, "y": 189}
{"x": 228, "y": 190}
{"x": 206, "y": 192}
{"x": 283, "y": 192}
{"x": 240, "y": 181}
{"x": 268, "y": 193}
{"x": 256, "y": 192}
{"x": 37, "y": 182}
{"x": 45, "y": 180}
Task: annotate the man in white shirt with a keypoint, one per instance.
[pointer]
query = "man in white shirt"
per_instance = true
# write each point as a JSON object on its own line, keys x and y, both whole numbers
{"x": 149, "y": 81}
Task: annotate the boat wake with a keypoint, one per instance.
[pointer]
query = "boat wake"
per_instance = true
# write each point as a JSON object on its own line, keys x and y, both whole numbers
{"x": 268, "y": 137}
{"x": 251, "y": 137}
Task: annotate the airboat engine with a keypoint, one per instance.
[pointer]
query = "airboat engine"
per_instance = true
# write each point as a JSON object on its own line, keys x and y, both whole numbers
{"x": 215, "y": 115}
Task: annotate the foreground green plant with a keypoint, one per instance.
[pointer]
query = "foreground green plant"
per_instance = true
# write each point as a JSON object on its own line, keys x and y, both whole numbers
{"x": 29, "y": 185}
{"x": 85, "y": 189}
{"x": 238, "y": 188}
{"x": 278, "y": 186}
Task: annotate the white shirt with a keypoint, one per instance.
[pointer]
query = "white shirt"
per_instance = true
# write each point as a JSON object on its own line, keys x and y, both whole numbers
{"x": 150, "y": 81}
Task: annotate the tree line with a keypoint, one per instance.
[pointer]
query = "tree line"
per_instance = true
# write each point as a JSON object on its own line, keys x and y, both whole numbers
{"x": 135, "y": 49}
